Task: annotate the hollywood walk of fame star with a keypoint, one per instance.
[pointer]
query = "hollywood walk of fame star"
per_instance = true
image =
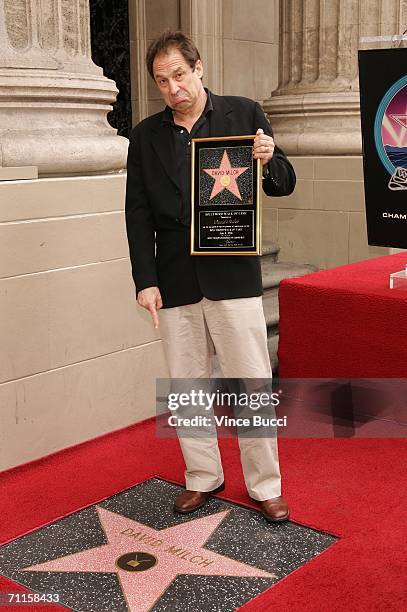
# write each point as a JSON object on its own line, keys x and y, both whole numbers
{"x": 225, "y": 177}
{"x": 166, "y": 553}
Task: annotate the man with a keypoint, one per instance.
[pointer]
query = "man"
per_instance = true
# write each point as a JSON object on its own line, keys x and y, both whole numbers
{"x": 210, "y": 302}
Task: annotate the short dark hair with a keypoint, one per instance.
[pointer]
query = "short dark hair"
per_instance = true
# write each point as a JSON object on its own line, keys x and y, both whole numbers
{"x": 167, "y": 40}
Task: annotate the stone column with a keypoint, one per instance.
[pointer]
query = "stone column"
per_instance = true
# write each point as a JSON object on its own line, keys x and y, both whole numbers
{"x": 53, "y": 98}
{"x": 204, "y": 23}
{"x": 315, "y": 109}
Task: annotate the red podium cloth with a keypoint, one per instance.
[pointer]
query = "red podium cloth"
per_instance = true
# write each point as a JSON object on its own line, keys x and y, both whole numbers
{"x": 344, "y": 322}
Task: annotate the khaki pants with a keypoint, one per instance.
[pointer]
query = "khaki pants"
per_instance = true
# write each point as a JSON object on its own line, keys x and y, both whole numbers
{"x": 236, "y": 329}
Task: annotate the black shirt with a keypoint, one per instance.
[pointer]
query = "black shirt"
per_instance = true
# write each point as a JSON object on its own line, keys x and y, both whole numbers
{"x": 182, "y": 148}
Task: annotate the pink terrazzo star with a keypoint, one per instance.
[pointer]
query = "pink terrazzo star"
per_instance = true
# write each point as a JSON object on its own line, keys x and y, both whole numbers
{"x": 177, "y": 550}
{"x": 225, "y": 177}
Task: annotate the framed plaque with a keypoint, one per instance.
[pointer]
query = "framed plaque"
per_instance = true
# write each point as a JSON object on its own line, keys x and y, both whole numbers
{"x": 225, "y": 184}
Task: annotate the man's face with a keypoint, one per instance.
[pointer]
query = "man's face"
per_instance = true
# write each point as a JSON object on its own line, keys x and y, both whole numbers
{"x": 179, "y": 85}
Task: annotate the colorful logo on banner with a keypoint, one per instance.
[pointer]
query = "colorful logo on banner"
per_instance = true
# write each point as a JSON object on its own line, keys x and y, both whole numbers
{"x": 390, "y": 134}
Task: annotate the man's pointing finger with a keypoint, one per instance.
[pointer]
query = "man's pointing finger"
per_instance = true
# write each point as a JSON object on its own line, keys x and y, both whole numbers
{"x": 154, "y": 315}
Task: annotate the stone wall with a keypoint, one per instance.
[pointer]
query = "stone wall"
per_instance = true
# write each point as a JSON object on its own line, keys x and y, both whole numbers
{"x": 78, "y": 357}
{"x": 323, "y": 222}
{"x": 250, "y": 47}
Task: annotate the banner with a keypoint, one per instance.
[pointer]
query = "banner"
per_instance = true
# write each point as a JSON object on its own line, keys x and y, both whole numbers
{"x": 383, "y": 106}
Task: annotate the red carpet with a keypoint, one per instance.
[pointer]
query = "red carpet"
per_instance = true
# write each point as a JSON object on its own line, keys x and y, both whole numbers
{"x": 344, "y": 322}
{"x": 352, "y": 488}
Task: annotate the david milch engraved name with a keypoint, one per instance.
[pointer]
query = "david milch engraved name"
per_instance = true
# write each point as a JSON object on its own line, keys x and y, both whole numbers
{"x": 176, "y": 551}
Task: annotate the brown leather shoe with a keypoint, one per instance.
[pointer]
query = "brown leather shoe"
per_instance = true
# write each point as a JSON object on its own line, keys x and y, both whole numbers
{"x": 274, "y": 510}
{"x": 188, "y": 501}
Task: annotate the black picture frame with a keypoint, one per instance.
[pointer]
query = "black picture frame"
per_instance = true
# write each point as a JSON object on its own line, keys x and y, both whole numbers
{"x": 225, "y": 197}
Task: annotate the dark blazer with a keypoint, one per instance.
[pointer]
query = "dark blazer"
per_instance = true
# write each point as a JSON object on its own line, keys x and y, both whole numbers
{"x": 159, "y": 241}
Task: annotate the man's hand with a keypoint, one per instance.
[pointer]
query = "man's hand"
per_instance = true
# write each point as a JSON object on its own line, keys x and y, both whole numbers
{"x": 263, "y": 147}
{"x": 150, "y": 299}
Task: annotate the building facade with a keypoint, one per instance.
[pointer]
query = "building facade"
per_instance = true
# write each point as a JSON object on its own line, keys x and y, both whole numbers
{"x": 78, "y": 358}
